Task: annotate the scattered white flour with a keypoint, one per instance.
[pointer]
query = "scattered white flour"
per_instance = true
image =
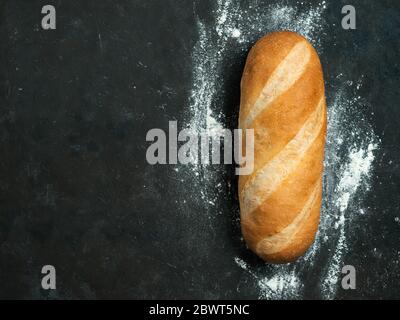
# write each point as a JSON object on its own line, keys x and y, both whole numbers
{"x": 241, "y": 263}
{"x": 283, "y": 284}
{"x": 236, "y": 33}
{"x": 349, "y": 153}
{"x": 278, "y": 284}
{"x": 359, "y": 165}
{"x": 214, "y": 127}
{"x": 349, "y": 156}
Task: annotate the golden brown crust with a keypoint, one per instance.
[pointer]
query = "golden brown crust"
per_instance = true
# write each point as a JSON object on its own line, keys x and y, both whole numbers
{"x": 287, "y": 116}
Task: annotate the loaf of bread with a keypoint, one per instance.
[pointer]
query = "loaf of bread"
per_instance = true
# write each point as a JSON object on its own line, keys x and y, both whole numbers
{"x": 283, "y": 100}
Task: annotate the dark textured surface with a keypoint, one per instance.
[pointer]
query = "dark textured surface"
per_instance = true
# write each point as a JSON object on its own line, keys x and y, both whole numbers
{"x": 75, "y": 188}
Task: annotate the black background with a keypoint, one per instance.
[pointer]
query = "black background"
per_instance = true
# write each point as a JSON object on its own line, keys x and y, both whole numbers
{"x": 76, "y": 190}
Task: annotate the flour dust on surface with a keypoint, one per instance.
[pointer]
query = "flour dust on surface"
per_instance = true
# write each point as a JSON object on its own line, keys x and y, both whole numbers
{"x": 350, "y": 149}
